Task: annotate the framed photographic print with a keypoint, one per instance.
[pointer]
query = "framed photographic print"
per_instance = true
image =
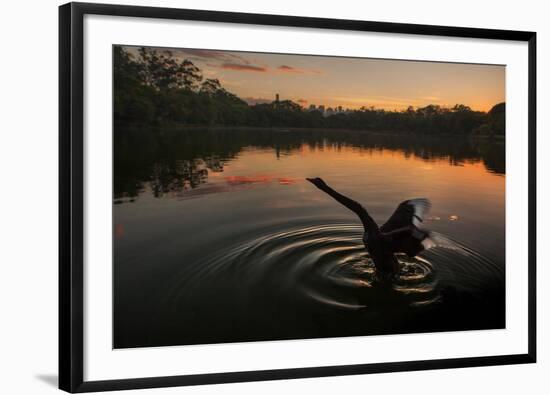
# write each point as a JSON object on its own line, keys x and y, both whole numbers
{"x": 258, "y": 197}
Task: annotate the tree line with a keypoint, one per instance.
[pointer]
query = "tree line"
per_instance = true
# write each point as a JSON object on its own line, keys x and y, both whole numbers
{"x": 155, "y": 87}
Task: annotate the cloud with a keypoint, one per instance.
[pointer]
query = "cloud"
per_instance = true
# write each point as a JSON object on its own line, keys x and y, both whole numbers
{"x": 203, "y": 53}
{"x": 243, "y": 67}
{"x": 224, "y": 60}
{"x": 431, "y": 98}
{"x": 290, "y": 69}
{"x": 212, "y": 54}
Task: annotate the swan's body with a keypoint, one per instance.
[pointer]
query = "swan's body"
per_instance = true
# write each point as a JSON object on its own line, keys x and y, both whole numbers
{"x": 400, "y": 234}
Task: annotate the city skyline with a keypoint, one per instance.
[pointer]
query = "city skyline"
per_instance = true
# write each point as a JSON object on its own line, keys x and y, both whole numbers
{"x": 350, "y": 83}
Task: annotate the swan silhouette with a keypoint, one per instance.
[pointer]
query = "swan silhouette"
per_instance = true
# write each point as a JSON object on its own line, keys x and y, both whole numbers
{"x": 400, "y": 233}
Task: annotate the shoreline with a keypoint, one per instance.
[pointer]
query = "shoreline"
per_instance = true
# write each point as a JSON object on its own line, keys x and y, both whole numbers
{"x": 282, "y": 129}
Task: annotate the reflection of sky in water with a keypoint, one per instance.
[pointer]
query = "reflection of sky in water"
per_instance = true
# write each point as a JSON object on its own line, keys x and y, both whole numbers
{"x": 216, "y": 221}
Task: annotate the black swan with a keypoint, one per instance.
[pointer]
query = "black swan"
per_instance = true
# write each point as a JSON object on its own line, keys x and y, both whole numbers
{"x": 399, "y": 234}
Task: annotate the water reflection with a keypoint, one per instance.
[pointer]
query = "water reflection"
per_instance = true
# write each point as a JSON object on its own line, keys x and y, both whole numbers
{"x": 181, "y": 160}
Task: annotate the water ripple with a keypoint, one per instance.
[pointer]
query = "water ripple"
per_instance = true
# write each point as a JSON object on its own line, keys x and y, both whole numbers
{"x": 327, "y": 265}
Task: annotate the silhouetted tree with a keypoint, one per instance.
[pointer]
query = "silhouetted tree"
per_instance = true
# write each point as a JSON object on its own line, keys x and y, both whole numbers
{"x": 497, "y": 118}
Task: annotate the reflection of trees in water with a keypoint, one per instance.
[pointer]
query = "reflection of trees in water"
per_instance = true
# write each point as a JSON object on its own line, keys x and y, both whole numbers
{"x": 179, "y": 160}
{"x": 182, "y": 174}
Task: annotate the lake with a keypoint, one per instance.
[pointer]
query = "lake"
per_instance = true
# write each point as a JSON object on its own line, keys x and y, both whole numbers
{"x": 219, "y": 238}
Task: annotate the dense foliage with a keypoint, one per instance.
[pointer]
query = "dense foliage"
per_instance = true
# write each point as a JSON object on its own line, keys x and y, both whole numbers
{"x": 157, "y": 88}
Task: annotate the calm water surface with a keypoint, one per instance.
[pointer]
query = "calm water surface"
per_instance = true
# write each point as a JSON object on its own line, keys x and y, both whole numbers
{"x": 219, "y": 238}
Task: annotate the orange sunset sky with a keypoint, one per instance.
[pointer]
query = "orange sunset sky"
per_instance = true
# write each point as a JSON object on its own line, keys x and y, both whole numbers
{"x": 350, "y": 82}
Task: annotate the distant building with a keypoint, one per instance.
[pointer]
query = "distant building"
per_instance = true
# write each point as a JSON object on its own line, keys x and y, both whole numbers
{"x": 277, "y": 98}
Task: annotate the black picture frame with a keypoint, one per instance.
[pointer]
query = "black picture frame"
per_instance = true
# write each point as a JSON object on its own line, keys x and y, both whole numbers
{"x": 71, "y": 222}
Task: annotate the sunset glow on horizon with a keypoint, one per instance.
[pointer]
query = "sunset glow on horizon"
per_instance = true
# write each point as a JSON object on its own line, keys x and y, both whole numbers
{"x": 351, "y": 83}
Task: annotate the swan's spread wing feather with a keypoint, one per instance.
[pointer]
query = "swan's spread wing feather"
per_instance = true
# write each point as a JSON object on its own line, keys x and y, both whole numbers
{"x": 409, "y": 212}
{"x": 402, "y": 231}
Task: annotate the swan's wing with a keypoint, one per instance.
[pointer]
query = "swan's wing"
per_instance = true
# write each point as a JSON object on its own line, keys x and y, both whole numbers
{"x": 408, "y": 212}
{"x": 409, "y": 240}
